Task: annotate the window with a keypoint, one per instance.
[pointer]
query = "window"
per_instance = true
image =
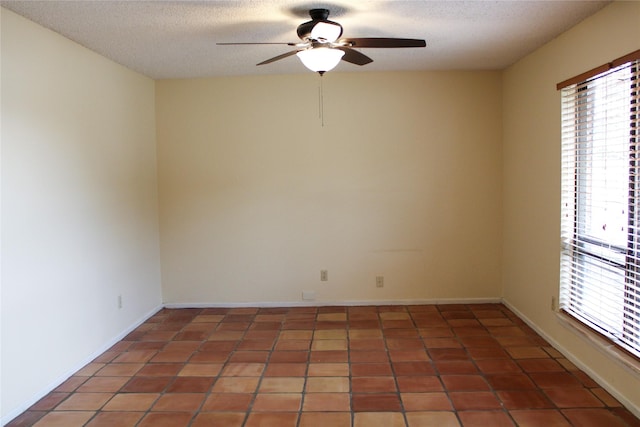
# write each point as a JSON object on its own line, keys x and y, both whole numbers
{"x": 600, "y": 261}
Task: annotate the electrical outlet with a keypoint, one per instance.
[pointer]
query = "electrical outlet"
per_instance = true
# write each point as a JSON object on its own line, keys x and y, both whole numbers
{"x": 379, "y": 281}
{"x": 119, "y": 301}
{"x": 554, "y": 304}
{"x": 324, "y": 275}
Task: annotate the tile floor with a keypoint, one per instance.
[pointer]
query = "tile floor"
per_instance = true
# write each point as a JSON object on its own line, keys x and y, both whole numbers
{"x": 368, "y": 366}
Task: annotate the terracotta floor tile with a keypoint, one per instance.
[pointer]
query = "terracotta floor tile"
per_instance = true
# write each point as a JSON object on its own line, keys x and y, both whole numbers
{"x": 131, "y": 402}
{"x": 281, "y": 385}
{"x": 277, "y": 402}
{"x": 419, "y": 384}
{"x": 84, "y": 402}
{"x": 90, "y": 369}
{"x": 370, "y": 369}
{"x": 167, "y": 356}
{"x": 368, "y": 356}
{"x": 242, "y": 370}
{"x": 65, "y": 419}
{"x": 296, "y": 335}
{"x": 330, "y": 334}
{"x": 440, "y": 354}
{"x": 469, "y": 401}
{"x": 555, "y": 380}
{"x": 272, "y": 420}
{"x": 464, "y": 383}
{"x": 510, "y": 382}
{"x": 328, "y": 370}
{"x": 201, "y": 370}
{"x": 606, "y": 398}
{"x": 426, "y": 402}
{"x": 373, "y": 384}
{"x": 71, "y": 384}
{"x": 225, "y": 402}
{"x": 391, "y": 366}
{"x": 367, "y": 344}
{"x": 190, "y": 385}
{"x": 328, "y": 419}
{"x": 573, "y": 398}
{"x": 293, "y": 345}
{"x": 235, "y": 385}
{"x": 136, "y": 356}
{"x": 247, "y": 344}
{"x": 326, "y": 384}
{"x": 527, "y": 352}
{"x": 540, "y": 365}
{"x": 497, "y": 366}
{"x": 436, "y": 332}
{"x": 160, "y": 369}
{"x": 373, "y": 402}
{"x": 285, "y": 370}
{"x": 479, "y": 353}
{"x": 26, "y": 419}
{"x": 166, "y": 419}
{"x": 448, "y": 342}
{"x": 405, "y": 344}
{"x": 210, "y": 356}
{"x": 289, "y": 357}
{"x": 529, "y": 399}
{"x": 103, "y": 384}
{"x": 329, "y": 356}
{"x": 212, "y": 419}
{"x": 380, "y": 419}
{"x": 365, "y": 334}
{"x": 50, "y": 401}
{"x": 119, "y": 370}
{"x": 413, "y": 368}
{"x": 327, "y": 402}
{"x": 440, "y": 419}
{"x": 179, "y": 402}
{"x": 485, "y": 418}
{"x": 327, "y": 344}
{"x": 540, "y": 417}
{"x": 113, "y": 419}
{"x": 408, "y": 356}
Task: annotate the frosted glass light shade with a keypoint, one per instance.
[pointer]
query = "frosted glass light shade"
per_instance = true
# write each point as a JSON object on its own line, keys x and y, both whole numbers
{"x": 320, "y": 59}
{"x": 328, "y": 31}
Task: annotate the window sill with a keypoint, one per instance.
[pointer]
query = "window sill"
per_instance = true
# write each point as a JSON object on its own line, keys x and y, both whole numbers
{"x": 604, "y": 346}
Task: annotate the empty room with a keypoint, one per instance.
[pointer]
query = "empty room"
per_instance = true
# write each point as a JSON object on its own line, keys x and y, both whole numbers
{"x": 296, "y": 214}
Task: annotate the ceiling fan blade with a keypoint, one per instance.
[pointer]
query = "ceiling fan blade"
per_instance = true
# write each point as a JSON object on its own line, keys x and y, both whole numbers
{"x": 250, "y": 43}
{"x": 279, "y": 57}
{"x": 354, "y": 57}
{"x": 383, "y": 42}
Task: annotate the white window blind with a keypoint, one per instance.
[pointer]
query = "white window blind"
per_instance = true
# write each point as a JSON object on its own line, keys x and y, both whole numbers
{"x": 600, "y": 230}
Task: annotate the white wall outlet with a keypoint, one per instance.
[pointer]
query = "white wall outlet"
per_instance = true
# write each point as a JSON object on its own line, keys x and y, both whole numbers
{"x": 119, "y": 301}
{"x": 379, "y": 281}
{"x": 324, "y": 275}
{"x": 309, "y": 295}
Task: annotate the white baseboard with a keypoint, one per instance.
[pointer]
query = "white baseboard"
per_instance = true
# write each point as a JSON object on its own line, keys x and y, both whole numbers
{"x": 576, "y": 361}
{"x": 57, "y": 382}
{"x": 267, "y": 304}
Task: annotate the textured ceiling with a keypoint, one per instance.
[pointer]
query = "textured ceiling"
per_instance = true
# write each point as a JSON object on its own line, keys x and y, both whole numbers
{"x": 177, "y": 39}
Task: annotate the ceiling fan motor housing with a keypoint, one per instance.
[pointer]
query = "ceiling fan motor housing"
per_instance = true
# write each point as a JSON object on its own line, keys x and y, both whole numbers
{"x": 318, "y": 20}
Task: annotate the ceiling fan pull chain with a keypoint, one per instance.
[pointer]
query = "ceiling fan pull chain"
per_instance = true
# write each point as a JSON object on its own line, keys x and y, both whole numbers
{"x": 321, "y": 101}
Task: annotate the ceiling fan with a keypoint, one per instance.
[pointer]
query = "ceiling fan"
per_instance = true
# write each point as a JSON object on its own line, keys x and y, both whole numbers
{"x": 322, "y": 48}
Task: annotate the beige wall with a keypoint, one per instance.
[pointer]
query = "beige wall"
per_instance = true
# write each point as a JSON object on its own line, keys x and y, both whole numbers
{"x": 532, "y": 178}
{"x": 79, "y": 208}
{"x": 403, "y": 181}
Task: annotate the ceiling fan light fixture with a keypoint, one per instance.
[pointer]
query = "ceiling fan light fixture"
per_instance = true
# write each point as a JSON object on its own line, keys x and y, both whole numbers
{"x": 320, "y": 59}
{"x": 326, "y": 31}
